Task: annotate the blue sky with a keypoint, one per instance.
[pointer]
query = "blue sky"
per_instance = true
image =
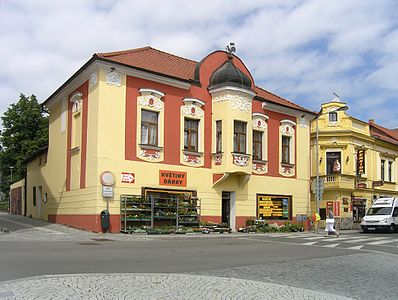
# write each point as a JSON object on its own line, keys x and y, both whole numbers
{"x": 300, "y": 50}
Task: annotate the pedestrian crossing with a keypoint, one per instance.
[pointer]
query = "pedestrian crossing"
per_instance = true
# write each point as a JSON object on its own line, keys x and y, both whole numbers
{"x": 349, "y": 241}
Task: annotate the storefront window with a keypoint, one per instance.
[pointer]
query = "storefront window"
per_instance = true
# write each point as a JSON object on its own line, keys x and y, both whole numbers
{"x": 273, "y": 207}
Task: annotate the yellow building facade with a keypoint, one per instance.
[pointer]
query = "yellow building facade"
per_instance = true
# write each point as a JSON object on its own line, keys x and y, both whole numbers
{"x": 357, "y": 163}
{"x": 145, "y": 122}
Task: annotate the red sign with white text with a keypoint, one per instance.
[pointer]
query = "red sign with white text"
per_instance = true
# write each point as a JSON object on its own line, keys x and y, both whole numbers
{"x": 128, "y": 177}
{"x": 172, "y": 178}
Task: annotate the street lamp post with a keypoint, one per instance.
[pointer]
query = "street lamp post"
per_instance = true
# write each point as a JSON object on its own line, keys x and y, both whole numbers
{"x": 11, "y": 168}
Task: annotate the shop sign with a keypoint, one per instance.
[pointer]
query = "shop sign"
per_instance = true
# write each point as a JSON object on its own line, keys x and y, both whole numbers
{"x": 361, "y": 161}
{"x": 128, "y": 177}
{"x": 107, "y": 191}
{"x": 172, "y": 178}
{"x": 378, "y": 183}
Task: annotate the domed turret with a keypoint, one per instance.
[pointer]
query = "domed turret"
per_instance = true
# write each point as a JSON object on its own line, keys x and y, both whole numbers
{"x": 229, "y": 75}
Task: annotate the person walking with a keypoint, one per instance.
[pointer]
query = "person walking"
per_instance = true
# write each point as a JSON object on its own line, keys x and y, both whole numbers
{"x": 330, "y": 224}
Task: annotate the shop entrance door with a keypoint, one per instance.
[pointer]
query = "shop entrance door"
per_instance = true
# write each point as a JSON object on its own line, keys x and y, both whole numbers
{"x": 226, "y": 208}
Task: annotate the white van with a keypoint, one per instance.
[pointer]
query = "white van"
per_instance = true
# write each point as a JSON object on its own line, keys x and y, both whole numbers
{"x": 382, "y": 215}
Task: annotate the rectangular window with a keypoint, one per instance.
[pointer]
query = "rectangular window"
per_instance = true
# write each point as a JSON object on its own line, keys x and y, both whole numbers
{"x": 149, "y": 127}
{"x": 218, "y": 136}
{"x": 390, "y": 171}
{"x": 333, "y": 117}
{"x": 239, "y": 137}
{"x": 382, "y": 169}
{"x": 333, "y": 163}
{"x": 257, "y": 145}
{"x": 34, "y": 196}
{"x": 286, "y": 149}
{"x": 191, "y": 131}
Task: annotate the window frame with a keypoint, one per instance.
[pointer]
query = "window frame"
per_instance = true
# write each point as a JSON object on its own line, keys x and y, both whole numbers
{"x": 382, "y": 169}
{"x": 219, "y": 136}
{"x": 189, "y": 131}
{"x": 285, "y": 147}
{"x": 335, "y": 116}
{"x": 150, "y": 125}
{"x": 389, "y": 170}
{"x": 238, "y": 135}
{"x": 258, "y": 142}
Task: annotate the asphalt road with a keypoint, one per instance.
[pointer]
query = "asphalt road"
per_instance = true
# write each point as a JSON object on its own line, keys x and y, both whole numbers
{"x": 353, "y": 265}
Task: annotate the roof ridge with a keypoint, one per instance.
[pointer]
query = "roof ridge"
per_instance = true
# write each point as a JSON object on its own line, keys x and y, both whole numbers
{"x": 113, "y": 53}
{"x": 173, "y": 55}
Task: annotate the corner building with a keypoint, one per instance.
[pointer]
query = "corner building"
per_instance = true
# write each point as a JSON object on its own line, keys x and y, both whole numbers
{"x": 166, "y": 125}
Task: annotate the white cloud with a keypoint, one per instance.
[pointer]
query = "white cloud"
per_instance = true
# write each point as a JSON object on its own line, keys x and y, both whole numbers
{"x": 302, "y": 50}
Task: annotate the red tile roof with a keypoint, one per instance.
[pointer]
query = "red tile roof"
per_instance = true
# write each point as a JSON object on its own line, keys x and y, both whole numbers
{"x": 154, "y": 60}
{"x": 382, "y": 133}
{"x": 163, "y": 63}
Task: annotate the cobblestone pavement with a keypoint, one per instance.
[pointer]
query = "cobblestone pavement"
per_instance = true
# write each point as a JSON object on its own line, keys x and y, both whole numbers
{"x": 150, "y": 286}
{"x": 362, "y": 276}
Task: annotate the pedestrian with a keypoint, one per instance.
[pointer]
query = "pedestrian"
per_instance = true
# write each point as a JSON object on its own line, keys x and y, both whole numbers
{"x": 315, "y": 220}
{"x": 330, "y": 224}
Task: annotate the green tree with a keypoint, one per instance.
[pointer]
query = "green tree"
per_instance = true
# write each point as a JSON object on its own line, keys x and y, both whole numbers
{"x": 25, "y": 130}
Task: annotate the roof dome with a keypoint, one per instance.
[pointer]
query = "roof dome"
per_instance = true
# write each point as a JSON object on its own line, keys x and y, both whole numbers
{"x": 229, "y": 75}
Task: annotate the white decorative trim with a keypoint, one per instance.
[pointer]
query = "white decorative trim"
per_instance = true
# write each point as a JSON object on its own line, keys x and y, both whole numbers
{"x": 146, "y": 154}
{"x": 152, "y": 92}
{"x": 259, "y": 168}
{"x": 260, "y": 115}
{"x": 114, "y": 78}
{"x": 93, "y": 79}
{"x": 288, "y": 171}
{"x": 197, "y": 102}
{"x": 150, "y": 101}
{"x": 288, "y": 122}
{"x": 76, "y": 99}
{"x": 259, "y": 124}
{"x": 287, "y": 130}
{"x": 234, "y": 89}
{"x": 238, "y": 101}
{"x": 217, "y": 160}
{"x": 193, "y": 160}
{"x": 303, "y": 122}
{"x": 241, "y": 160}
{"x": 192, "y": 111}
{"x": 332, "y": 109}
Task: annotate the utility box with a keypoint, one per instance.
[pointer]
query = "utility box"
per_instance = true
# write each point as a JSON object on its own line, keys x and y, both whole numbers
{"x": 105, "y": 222}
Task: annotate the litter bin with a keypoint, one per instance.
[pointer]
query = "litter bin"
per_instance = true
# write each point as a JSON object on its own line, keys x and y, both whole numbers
{"x": 105, "y": 220}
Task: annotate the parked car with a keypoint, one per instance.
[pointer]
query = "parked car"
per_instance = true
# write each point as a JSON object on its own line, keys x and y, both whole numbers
{"x": 382, "y": 215}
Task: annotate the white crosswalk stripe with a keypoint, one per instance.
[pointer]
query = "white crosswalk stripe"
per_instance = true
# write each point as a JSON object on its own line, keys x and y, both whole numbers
{"x": 383, "y": 242}
{"x": 356, "y": 247}
{"x": 309, "y": 243}
{"x": 331, "y": 245}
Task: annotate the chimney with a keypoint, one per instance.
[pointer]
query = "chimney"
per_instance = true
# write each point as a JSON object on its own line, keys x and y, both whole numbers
{"x": 371, "y": 121}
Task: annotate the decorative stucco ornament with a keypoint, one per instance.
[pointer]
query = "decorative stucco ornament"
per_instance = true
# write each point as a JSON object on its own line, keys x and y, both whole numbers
{"x": 237, "y": 101}
{"x": 240, "y": 160}
{"x": 192, "y": 110}
{"x": 287, "y": 130}
{"x": 93, "y": 79}
{"x": 192, "y": 159}
{"x": 150, "y": 154}
{"x": 303, "y": 122}
{"x": 151, "y": 102}
{"x": 113, "y": 78}
{"x": 259, "y": 124}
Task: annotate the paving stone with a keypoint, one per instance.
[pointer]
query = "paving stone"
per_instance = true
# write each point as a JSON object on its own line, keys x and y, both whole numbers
{"x": 150, "y": 286}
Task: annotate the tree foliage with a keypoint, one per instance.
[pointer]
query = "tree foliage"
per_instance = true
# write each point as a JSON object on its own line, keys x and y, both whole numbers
{"x": 25, "y": 130}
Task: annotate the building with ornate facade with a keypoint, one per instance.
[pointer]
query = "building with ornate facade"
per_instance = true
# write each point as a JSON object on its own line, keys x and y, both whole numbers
{"x": 146, "y": 122}
{"x": 357, "y": 163}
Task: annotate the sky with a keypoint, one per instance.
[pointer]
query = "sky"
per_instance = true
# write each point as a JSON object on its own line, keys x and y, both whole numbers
{"x": 300, "y": 50}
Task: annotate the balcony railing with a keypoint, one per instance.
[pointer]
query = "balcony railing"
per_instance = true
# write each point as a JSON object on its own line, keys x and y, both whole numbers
{"x": 339, "y": 181}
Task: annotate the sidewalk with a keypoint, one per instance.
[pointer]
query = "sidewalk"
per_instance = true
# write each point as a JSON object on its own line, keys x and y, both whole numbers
{"x": 150, "y": 286}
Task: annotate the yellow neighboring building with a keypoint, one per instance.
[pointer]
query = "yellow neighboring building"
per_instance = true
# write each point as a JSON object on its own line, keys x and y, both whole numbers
{"x": 357, "y": 163}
